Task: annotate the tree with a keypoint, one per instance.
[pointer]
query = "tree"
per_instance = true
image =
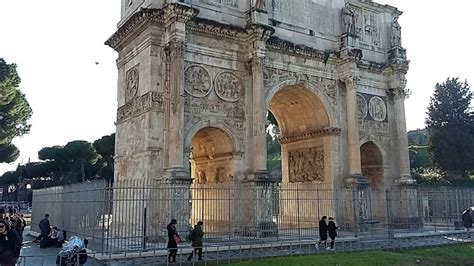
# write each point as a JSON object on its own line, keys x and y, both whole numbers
{"x": 59, "y": 161}
{"x": 451, "y": 127}
{"x": 79, "y": 153}
{"x": 14, "y": 112}
{"x": 105, "y": 147}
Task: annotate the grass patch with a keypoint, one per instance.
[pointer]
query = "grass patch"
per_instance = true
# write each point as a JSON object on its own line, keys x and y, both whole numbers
{"x": 452, "y": 255}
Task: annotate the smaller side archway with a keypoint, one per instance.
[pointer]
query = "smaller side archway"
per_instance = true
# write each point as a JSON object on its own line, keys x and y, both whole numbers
{"x": 372, "y": 164}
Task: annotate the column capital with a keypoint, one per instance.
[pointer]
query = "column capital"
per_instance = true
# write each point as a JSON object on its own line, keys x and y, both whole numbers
{"x": 175, "y": 49}
{"x": 255, "y": 63}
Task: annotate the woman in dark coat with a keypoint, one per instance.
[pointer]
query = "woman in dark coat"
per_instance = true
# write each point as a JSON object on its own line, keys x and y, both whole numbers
{"x": 332, "y": 230}
{"x": 10, "y": 245}
{"x": 173, "y": 240}
{"x": 323, "y": 232}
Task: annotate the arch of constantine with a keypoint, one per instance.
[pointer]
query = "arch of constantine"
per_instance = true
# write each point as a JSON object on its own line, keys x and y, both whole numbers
{"x": 198, "y": 77}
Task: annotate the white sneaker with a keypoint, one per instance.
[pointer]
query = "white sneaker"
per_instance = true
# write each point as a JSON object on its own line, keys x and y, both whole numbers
{"x": 328, "y": 248}
{"x": 316, "y": 246}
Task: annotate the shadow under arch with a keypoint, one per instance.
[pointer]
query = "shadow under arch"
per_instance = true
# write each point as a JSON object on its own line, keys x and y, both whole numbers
{"x": 311, "y": 86}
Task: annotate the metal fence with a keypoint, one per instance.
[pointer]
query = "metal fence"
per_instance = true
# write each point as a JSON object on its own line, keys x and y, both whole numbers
{"x": 132, "y": 215}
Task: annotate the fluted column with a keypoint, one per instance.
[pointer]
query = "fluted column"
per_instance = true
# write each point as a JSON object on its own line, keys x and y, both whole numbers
{"x": 401, "y": 131}
{"x": 353, "y": 141}
{"x": 258, "y": 118}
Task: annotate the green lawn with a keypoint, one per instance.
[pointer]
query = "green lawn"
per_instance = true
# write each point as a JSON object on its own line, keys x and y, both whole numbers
{"x": 453, "y": 255}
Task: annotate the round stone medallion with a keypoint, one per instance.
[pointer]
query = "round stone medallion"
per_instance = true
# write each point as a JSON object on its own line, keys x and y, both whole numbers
{"x": 362, "y": 108}
{"x": 132, "y": 84}
{"x": 228, "y": 87}
{"x": 197, "y": 81}
{"x": 377, "y": 109}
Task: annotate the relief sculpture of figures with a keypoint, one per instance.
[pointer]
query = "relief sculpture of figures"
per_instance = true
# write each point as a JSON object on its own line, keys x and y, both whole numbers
{"x": 396, "y": 33}
{"x": 348, "y": 19}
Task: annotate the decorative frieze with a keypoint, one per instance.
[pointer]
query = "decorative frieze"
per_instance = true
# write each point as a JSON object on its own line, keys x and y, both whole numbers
{"x": 151, "y": 101}
{"x": 216, "y": 107}
{"x": 330, "y": 131}
{"x": 306, "y": 165}
{"x": 374, "y": 126}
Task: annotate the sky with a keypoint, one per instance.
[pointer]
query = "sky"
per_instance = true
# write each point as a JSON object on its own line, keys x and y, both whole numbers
{"x": 56, "y": 45}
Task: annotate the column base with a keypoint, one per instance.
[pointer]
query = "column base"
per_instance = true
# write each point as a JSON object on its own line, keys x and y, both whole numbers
{"x": 405, "y": 180}
{"x": 177, "y": 174}
{"x": 260, "y": 177}
{"x": 356, "y": 179}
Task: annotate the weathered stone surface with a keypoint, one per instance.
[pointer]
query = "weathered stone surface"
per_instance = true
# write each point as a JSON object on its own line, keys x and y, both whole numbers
{"x": 197, "y": 77}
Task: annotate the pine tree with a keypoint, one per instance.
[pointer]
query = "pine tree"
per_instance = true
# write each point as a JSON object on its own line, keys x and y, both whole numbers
{"x": 451, "y": 126}
{"x": 14, "y": 111}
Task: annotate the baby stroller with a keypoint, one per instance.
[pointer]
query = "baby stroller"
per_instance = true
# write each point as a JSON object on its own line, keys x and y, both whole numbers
{"x": 73, "y": 252}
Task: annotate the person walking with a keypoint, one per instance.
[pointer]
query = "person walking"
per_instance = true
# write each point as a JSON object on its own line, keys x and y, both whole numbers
{"x": 332, "y": 230}
{"x": 467, "y": 221}
{"x": 10, "y": 245}
{"x": 323, "y": 232}
{"x": 196, "y": 236}
{"x": 45, "y": 229}
{"x": 173, "y": 240}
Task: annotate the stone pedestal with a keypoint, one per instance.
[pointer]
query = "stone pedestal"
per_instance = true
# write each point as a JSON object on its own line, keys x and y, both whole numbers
{"x": 403, "y": 207}
{"x": 258, "y": 207}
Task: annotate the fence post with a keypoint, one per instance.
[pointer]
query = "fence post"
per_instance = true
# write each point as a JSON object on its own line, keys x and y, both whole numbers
{"x": 354, "y": 210}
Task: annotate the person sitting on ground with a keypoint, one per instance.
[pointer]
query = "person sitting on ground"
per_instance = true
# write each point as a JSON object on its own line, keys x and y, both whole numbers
{"x": 10, "y": 245}
{"x": 56, "y": 238}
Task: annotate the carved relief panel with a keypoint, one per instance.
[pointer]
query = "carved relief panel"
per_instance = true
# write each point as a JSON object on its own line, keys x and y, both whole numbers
{"x": 306, "y": 165}
{"x": 367, "y": 25}
{"x": 131, "y": 83}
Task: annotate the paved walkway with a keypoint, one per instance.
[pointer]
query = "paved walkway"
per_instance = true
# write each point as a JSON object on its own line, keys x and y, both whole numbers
{"x": 34, "y": 256}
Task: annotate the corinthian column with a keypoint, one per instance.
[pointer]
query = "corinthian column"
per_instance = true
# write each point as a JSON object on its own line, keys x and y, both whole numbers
{"x": 258, "y": 125}
{"x": 399, "y": 96}
{"x": 353, "y": 141}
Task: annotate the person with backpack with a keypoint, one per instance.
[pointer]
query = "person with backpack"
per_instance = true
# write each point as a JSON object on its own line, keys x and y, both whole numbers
{"x": 332, "y": 230}
{"x": 195, "y": 236}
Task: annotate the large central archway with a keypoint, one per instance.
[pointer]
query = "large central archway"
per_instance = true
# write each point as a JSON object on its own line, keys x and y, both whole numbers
{"x": 305, "y": 157}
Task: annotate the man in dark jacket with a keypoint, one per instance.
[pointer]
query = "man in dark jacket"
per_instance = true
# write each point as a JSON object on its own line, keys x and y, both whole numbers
{"x": 323, "y": 232}
{"x": 467, "y": 221}
{"x": 45, "y": 228}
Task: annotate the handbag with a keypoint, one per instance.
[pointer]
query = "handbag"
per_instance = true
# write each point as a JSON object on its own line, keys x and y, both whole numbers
{"x": 177, "y": 239}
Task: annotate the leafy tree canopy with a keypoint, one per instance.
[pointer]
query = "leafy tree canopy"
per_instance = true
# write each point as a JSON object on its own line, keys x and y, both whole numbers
{"x": 14, "y": 111}
{"x": 451, "y": 126}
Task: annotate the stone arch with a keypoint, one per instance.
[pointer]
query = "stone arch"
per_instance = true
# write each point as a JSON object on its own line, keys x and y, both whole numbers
{"x": 211, "y": 156}
{"x": 191, "y": 132}
{"x": 372, "y": 164}
{"x": 313, "y": 87}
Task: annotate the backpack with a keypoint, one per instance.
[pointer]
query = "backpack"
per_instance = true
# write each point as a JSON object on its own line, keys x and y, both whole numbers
{"x": 192, "y": 235}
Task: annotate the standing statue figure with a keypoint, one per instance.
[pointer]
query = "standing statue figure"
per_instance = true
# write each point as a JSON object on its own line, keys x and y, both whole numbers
{"x": 396, "y": 40}
{"x": 258, "y": 4}
{"x": 348, "y": 19}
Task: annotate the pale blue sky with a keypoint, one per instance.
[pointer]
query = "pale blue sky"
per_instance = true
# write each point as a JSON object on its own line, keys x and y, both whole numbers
{"x": 57, "y": 42}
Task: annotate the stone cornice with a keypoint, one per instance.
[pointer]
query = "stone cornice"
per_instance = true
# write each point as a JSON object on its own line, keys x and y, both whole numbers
{"x": 148, "y": 16}
{"x": 329, "y": 131}
{"x": 213, "y": 28}
{"x": 136, "y": 23}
